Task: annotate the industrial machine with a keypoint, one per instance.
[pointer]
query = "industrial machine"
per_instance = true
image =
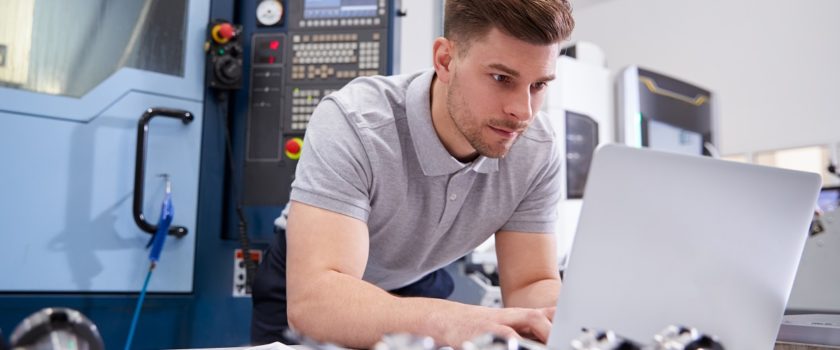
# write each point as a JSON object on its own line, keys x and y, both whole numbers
{"x": 100, "y": 100}
{"x": 665, "y": 113}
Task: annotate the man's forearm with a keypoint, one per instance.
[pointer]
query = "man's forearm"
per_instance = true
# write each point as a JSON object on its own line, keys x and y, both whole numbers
{"x": 539, "y": 294}
{"x": 345, "y": 310}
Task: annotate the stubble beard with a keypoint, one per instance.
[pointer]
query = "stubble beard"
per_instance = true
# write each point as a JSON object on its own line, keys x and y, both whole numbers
{"x": 471, "y": 128}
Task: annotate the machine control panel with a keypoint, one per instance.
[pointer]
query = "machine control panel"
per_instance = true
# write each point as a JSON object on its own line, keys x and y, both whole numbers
{"x": 335, "y": 56}
{"x": 266, "y": 96}
{"x": 314, "y": 49}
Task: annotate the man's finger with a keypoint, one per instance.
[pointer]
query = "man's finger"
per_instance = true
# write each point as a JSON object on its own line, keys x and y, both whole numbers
{"x": 549, "y": 312}
{"x": 541, "y": 329}
{"x": 529, "y": 321}
{"x": 505, "y": 332}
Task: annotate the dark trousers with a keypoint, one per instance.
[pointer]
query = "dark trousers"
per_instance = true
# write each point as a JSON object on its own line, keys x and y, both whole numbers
{"x": 269, "y": 319}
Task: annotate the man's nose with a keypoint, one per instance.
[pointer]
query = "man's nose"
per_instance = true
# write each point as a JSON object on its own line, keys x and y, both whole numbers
{"x": 518, "y": 105}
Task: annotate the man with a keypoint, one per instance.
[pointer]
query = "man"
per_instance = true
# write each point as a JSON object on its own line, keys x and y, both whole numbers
{"x": 402, "y": 175}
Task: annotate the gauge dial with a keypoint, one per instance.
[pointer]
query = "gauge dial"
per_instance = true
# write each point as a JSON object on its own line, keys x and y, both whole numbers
{"x": 269, "y": 12}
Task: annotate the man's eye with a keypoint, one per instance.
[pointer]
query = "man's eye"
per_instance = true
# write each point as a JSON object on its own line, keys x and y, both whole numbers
{"x": 540, "y": 85}
{"x": 500, "y": 78}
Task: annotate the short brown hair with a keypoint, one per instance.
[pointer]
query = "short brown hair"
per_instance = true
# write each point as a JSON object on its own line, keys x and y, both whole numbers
{"x": 540, "y": 22}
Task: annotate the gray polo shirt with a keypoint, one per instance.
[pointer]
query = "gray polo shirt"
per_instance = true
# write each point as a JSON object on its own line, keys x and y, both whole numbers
{"x": 371, "y": 153}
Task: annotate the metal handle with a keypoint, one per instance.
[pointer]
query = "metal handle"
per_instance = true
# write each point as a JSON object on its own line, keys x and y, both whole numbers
{"x": 140, "y": 165}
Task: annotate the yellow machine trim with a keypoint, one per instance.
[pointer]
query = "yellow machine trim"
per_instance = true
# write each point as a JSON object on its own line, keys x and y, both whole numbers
{"x": 651, "y": 85}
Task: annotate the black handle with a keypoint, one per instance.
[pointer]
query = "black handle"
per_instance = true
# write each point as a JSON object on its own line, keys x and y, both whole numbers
{"x": 140, "y": 165}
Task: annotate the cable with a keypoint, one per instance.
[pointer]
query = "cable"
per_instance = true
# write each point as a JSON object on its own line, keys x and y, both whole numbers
{"x": 244, "y": 242}
{"x": 167, "y": 212}
{"x": 139, "y": 307}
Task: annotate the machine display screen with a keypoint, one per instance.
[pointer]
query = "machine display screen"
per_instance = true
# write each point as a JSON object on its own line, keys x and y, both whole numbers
{"x": 665, "y": 137}
{"x": 829, "y": 199}
{"x": 339, "y": 8}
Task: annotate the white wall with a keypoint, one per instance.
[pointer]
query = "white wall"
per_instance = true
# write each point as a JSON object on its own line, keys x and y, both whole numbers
{"x": 775, "y": 65}
{"x": 419, "y": 29}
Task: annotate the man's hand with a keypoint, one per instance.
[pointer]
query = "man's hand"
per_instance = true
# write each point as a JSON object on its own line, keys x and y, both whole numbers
{"x": 542, "y": 335}
{"x": 533, "y": 324}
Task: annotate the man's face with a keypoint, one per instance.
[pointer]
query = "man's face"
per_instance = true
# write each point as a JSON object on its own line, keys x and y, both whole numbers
{"x": 496, "y": 89}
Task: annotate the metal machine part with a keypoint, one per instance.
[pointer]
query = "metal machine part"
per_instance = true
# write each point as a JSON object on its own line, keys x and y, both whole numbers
{"x": 684, "y": 338}
{"x": 476, "y": 280}
{"x": 602, "y": 340}
{"x": 56, "y": 328}
{"x": 671, "y": 338}
{"x": 494, "y": 342}
{"x": 405, "y": 341}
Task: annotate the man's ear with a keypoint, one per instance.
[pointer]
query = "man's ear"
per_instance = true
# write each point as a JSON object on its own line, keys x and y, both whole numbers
{"x": 443, "y": 50}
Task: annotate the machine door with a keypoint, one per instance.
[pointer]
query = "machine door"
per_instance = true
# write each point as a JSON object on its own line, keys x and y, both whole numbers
{"x": 75, "y": 78}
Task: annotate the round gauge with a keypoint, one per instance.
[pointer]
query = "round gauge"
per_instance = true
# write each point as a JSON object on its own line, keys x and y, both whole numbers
{"x": 269, "y": 12}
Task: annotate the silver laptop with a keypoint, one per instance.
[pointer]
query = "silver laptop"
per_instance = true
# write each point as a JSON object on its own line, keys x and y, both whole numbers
{"x": 672, "y": 239}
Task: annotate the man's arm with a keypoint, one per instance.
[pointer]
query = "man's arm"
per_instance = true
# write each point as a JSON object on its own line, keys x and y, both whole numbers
{"x": 528, "y": 271}
{"x": 327, "y": 299}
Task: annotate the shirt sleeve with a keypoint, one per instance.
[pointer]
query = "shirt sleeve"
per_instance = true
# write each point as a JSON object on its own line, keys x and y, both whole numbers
{"x": 333, "y": 172}
{"x": 538, "y": 211}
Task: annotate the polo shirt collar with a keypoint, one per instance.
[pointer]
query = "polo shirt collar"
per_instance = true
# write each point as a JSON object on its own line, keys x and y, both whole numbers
{"x": 435, "y": 160}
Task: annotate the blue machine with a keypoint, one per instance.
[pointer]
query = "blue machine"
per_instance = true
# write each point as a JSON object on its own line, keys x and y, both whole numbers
{"x": 84, "y": 90}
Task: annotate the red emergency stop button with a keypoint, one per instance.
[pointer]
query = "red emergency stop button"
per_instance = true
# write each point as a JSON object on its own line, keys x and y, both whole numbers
{"x": 223, "y": 32}
{"x": 293, "y": 148}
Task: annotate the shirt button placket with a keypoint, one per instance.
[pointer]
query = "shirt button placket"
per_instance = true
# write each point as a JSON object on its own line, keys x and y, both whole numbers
{"x": 459, "y": 184}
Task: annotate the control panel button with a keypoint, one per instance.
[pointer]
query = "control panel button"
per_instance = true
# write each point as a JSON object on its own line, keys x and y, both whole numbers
{"x": 293, "y": 148}
{"x": 222, "y": 33}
